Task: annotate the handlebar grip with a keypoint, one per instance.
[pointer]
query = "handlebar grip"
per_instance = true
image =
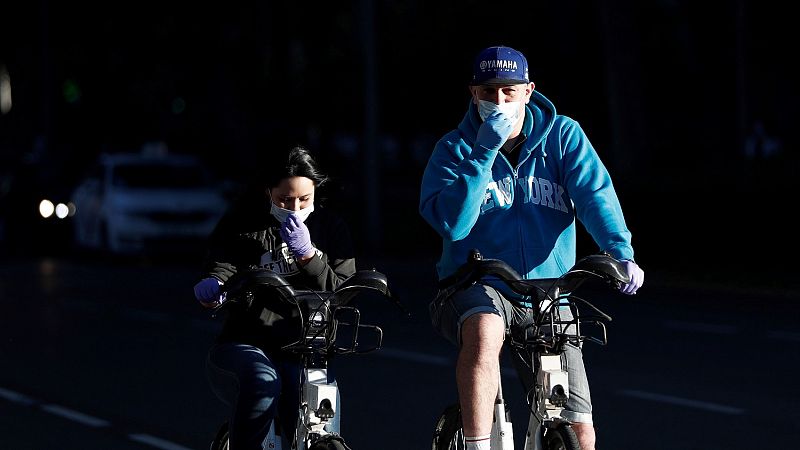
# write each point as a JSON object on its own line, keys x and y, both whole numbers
{"x": 252, "y": 279}
{"x": 603, "y": 264}
{"x": 359, "y": 281}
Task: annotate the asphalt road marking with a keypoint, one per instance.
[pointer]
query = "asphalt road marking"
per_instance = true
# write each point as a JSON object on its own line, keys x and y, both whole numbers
{"x": 415, "y": 357}
{"x": 707, "y": 406}
{"x": 16, "y": 397}
{"x": 75, "y": 416}
{"x": 727, "y": 330}
{"x": 85, "y": 419}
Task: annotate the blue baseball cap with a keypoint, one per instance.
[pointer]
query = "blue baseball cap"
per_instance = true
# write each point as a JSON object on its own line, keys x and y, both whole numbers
{"x": 500, "y": 65}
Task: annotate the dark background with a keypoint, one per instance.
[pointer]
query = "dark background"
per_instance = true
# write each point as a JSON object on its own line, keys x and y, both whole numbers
{"x": 669, "y": 92}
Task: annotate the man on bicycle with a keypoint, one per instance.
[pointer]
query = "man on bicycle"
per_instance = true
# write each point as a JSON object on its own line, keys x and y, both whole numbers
{"x": 510, "y": 180}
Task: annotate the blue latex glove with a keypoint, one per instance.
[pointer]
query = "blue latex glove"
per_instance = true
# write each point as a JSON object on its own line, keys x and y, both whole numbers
{"x": 636, "y": 276}
{"x": 494, "y": 131}
{"x": 295, "y": 233}
{"x": 207, "y": 292}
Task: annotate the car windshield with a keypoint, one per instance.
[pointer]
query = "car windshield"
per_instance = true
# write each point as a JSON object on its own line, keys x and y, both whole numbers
{"x": 160, "y": 176}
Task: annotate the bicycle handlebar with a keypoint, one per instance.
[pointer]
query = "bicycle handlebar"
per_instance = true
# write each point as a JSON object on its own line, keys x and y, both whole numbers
{"x": 546, "y": 293}
{"x": 599, "y": 265}
{"x": 316, "y": 311}
{"x": 249, "y": 282}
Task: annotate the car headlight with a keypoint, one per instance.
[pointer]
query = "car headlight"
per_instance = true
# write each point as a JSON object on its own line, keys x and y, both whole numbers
{"x": 61, "y": 210}
{"x": 46, "y": 208}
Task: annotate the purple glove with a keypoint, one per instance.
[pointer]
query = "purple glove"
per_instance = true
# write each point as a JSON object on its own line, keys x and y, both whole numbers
{"x": 207, "y": 292}
{"x": 636, "y": 276}
{"x": 295, "y": 233}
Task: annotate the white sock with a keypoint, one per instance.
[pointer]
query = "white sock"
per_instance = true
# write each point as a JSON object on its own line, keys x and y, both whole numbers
{"x": 478, "y": 442}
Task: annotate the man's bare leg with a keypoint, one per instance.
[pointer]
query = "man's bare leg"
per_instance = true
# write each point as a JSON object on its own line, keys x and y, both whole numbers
{"x": 585, "y": 433}
{"x": 478, "y": 371}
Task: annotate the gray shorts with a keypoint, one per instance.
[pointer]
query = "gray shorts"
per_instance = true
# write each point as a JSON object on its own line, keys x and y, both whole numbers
{"x": 449, "y": 310}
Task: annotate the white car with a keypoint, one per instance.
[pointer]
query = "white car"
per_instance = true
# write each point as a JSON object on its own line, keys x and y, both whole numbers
{"x": 131, "y": 203}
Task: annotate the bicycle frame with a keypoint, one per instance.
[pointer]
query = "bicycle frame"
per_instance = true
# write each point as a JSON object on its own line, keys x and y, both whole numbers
{"x": 313, "y": 422}
{"x": 552, "y": 381}
{"x": 502, "y": 436}
{"x": 551, "y": 392}
{"x": 319, "y": 407}
{"x": 319, "y": 395}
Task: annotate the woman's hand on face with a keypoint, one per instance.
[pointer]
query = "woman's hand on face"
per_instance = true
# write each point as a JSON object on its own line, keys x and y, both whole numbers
{"x": 295, "y": 233}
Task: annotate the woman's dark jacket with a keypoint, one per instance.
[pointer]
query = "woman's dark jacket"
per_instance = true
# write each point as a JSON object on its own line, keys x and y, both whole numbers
{"x": 248, "y": 237}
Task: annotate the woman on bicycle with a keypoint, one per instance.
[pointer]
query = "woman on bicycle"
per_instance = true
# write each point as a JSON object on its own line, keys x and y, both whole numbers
{"x": 279, "y": 227}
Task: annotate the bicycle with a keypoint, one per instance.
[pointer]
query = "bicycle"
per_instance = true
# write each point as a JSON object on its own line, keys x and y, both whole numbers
{"x": 542, "y": 344}
{"x": 322, "y": 314}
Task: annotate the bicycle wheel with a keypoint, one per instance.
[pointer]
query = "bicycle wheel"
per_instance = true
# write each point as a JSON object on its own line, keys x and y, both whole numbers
{"x": 448, "y": 434}
{"x": 221, "y": 439}
{"x": 562, "y": 437}
{"x": 330, "y": 442}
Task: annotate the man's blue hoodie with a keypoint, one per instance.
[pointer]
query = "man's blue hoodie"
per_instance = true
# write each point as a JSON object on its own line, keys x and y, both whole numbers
{"x": 525, "y": 215}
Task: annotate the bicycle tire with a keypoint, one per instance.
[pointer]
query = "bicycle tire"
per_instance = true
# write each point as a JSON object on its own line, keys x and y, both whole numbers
{"x": 562, "y": 437}
{"x": 449, "y": 434}
{"x": 328, "y": 446}
{"x": 220, "y": 441}
{"x": 330, "y": 442}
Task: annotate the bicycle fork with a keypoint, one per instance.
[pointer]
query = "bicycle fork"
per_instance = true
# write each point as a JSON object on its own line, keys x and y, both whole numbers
{"x": 552, "y": 383}
{"x": 502, "y": 428}
{"x": 319, "y": 407}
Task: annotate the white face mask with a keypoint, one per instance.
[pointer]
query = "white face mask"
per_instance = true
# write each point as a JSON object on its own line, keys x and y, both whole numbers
{"x": 508, "y": 109}
{"x": 282, "y": 214}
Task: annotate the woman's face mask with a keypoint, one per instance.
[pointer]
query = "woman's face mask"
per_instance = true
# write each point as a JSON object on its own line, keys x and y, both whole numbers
{"x": 509, "y": 109}
{"x": 293, "y": 195}
{"x": 281, "y": 214}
